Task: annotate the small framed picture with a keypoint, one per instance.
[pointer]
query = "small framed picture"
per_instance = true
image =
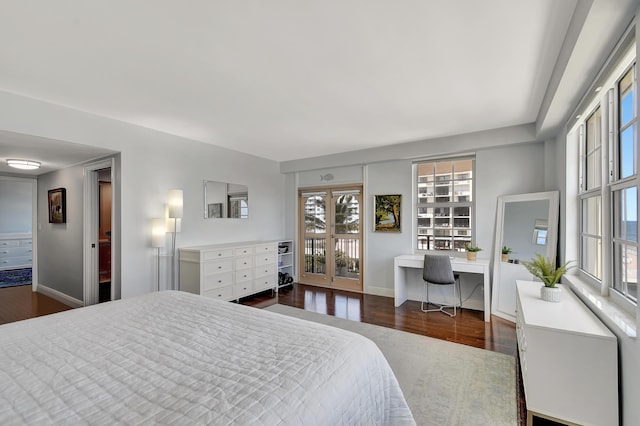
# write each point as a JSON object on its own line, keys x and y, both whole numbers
{"x": 214, "y": 210}
{"x": 387, "y": 211}
{"x": 58, "y": 205}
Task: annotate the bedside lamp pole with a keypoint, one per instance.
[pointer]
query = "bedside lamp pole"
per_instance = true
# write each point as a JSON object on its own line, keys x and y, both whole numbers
{"x": 174, "y": 219}
{"x": 158, "y": 240}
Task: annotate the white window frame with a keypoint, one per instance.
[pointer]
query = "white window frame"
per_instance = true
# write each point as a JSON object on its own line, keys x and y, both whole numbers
{"x": 471, "y": 204}
{"x": 607, "y": 100}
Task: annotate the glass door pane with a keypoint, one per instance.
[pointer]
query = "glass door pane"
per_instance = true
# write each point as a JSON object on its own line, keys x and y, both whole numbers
{"x": 314, "y": 241}
{"x": 346, "y": 245}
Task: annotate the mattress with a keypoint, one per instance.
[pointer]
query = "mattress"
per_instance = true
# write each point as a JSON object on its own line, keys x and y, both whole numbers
{"x": 177, "y": 358}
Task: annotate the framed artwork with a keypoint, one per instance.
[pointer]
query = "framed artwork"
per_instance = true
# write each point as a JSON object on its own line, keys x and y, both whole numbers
{"x": 214, "y": 210}
{"x": 58, "y": 205}
{"x": 387, "y": 211}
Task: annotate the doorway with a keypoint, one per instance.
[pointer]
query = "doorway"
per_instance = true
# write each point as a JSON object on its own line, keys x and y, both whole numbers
{"x": 100, "y": 281}
{"x": 330, "y": 248}
{"x": 104, "y": 235}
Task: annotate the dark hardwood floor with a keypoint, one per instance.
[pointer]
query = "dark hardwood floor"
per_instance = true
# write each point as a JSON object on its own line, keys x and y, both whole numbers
{"x": 19, "y": 303}
{"x": 467, "y": 328}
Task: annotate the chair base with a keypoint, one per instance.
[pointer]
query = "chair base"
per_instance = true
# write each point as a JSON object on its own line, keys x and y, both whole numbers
{"x": 441, "y": 308}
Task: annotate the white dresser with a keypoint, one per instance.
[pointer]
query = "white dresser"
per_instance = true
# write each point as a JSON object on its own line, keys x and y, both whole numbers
{"x": 229, "y": 271}
{"x": 568, "y": 359}
{"x": 16, "y": 251}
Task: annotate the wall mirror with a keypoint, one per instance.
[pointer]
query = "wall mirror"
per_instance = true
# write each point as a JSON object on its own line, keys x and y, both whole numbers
{"x": 225, "y": 200}
{"x": 527, "y": 224}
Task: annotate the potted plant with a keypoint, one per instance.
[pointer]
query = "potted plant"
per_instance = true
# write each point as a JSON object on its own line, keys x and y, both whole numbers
{"x": 472, "y": 252}
{"x": 546, "y": 270}
{"x": 505, "y": 253}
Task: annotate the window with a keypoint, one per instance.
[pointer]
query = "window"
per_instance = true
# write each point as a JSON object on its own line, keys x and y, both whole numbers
{"x": 591, "y": 199}
{"x": 445, "y": 207}
{"x": 625, "y": 191}
{"x": 608, "y": 193}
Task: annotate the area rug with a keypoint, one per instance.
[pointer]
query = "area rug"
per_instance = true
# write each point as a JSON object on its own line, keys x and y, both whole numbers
{"x": 444, "y": 383}
{"x": 15, "y": 277}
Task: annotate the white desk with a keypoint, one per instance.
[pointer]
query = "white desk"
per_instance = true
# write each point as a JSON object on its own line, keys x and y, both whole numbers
{"x": 480, "y": 266}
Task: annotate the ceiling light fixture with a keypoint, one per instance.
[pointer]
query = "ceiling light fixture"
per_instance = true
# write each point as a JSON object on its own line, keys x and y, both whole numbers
{"x": 24, "y": 164}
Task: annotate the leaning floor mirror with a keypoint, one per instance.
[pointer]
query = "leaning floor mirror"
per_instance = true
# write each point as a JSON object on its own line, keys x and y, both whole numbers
{"x": 526, "y": 224}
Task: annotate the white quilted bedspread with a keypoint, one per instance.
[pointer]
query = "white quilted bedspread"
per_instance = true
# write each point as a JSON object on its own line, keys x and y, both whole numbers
{"x": 177, "y": 358}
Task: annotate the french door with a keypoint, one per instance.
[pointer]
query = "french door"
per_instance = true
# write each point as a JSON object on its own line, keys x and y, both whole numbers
{"x": 330, "y": 250}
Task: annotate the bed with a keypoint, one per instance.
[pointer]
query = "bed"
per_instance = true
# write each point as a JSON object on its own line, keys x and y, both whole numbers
{"x": 177, "y": 358}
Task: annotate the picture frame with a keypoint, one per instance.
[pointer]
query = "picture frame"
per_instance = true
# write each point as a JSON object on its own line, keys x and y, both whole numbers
{"x": 387, "y": 213}
{"x": 214, "y": 210}
{"x": 57, "y": 205}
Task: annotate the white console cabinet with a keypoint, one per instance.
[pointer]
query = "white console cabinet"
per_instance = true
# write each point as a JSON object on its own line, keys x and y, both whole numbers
{"x": 16, "y": 251}
{"x": 229, "y": 271}
{"x": 568, "y": 359}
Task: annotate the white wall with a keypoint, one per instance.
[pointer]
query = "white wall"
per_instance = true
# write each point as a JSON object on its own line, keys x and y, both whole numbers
{"x": 152, "y": 163}
{"x": 15, "y": 206}
{"x": 60, "y": 244}
{"x": 386, "y": 178}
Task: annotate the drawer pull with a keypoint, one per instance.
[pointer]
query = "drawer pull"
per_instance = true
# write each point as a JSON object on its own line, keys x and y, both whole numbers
{"x": 219, "y": 254}
{"x": 219, "y": 267}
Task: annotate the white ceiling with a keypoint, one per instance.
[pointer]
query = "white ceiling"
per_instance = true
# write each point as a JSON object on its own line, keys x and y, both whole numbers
{"x": 52, "y": 154}
{"x": 285, "y": 79}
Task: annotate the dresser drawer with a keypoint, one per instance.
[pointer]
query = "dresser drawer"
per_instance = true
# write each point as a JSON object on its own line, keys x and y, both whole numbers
{"x": 218, "y": 267}
{"x": 217, "y": 254}
{"x": 224, "y": 293}
{"x": 17, "y": 262}
{"x": 217, "y": 281}
{"x": 26, "y": 243}
{"x": 244, "y": 275}
{"x": 265, "y": 270}
{"x": 9, "y": 243}
{"x": 15, "y": 251}
{"x": 265, "y": 259}
{"x": 266, "y": 248}
{"x": 264, "y": 283}
{"x": 244, "y": 262}
{"x": 242, "y": 289}
{"x": 242, "y": 251}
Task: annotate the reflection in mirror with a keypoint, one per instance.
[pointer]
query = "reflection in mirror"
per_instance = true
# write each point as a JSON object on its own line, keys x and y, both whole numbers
{"x": 527, "y": 224}
{"x": 225, "y": 200}
{"x": 522, "y": 223}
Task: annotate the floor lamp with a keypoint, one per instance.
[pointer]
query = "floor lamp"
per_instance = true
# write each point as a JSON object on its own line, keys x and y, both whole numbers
{"x": 174, "y": 219}
{"x": 158, "y": 240}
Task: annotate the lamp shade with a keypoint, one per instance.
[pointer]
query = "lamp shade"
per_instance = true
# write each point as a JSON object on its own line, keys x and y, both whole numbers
{"x": 173, "y": 224}
{"x": 175, "y": 203}
{"x": 158, "y": 233}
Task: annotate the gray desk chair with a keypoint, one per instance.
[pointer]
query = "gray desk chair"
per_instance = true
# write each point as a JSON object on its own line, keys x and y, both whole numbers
{"x": 437, "y": 270}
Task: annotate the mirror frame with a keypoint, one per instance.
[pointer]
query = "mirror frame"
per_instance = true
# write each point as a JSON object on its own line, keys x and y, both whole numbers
{"x": 552, "y": 240}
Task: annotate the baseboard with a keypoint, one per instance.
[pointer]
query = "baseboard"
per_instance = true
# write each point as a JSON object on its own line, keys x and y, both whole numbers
{"x": 379, "y": 291}
{"x": 60, "y": 297}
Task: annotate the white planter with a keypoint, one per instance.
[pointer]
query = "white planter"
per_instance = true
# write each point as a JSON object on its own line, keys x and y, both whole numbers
{"x": 550, "y": 294}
